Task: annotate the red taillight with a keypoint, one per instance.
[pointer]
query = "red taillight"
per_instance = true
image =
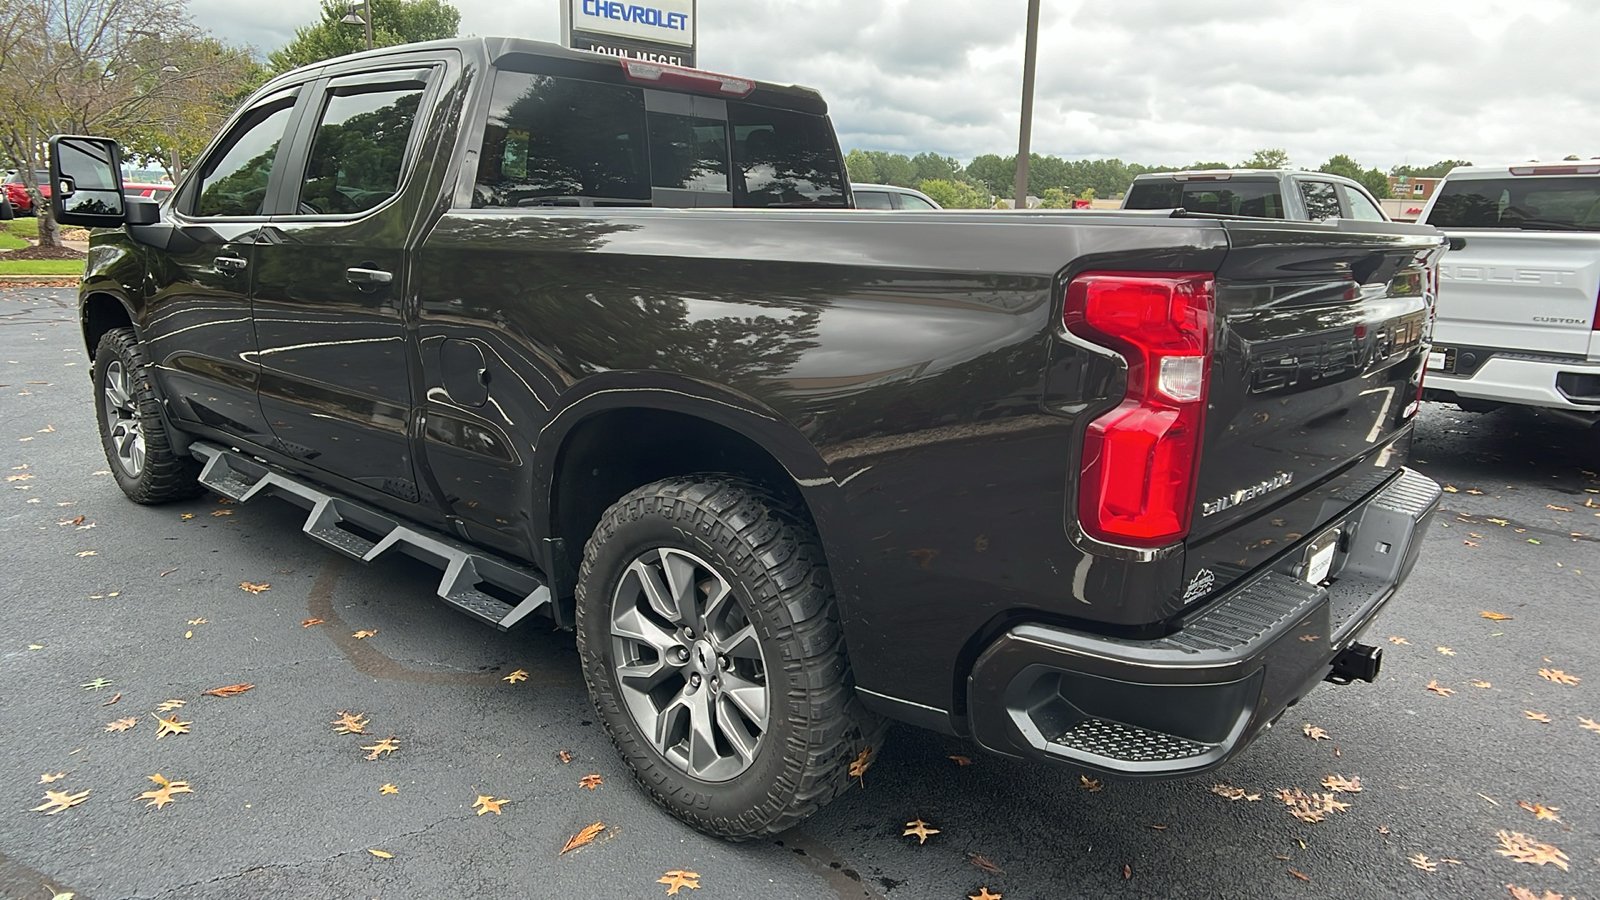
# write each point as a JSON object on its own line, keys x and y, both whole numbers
{"x": 1141, "y": 459}
{"x": 663, "y": 75}
{"x": 1596, "y": 325}
{"x": 1555, "y": 170}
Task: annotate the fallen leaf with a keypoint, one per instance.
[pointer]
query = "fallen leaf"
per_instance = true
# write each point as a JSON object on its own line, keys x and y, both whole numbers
{"x": 1234, "y": 793}
{"x": 83, "y": 553}
{"x": 231, "y": 690}
{"x": 96, "y": 684}
{"x": 1495, "y": 617}
{"x": 1556, "y": 508}
{"x": 388, "y": 789}
{"x": 1522, "y": 893}
{"x": 1536, "y": 716}
{"x": 984, "y": 864}
{"x": 199, "y": 622}
{"x": 564, "y": 755}
{"x": 585, "y": 836}
{"x": 254, "y": 588}
{"x": 591, "y": 781}
{"x": 307, "y": 623}
{"x": 23, "y": 477}
{"x": 1475, "y": 491}
{"x": 1480, "y": 684}
{"x": 1156, "y": 827}
{"x": 169, "y": 705}
{"x": 1314, "y": 732}
{"x": 1340, "y": 784}
{"x": 1423, "y": 863}
{"x": 350, "y": 723}
{"x": 679, "y": 878}
{"x": 1299, "y": 875}
{"x": 1524, "y": 849}
{"x": 1446, "y": 651}
{"x": 1127, "y": 872}
{"x": 162, "y": 795}
{"x": 122, "y": 724}
{"x": 1383, "y": 829}
{"x": 222, "y": 512}
{"x": 1588, "y": 724}
{"x": 56, "y": 801}
{"x": 387, "y": 745}
{"x": 920, "y": 829}
{"x": 486, "y": 803}
{"x": 960, "y": 760}
{"x": 1558, "y": 676}
{"x": 186, "y": 516}
{"x": 983, "y": 894}
{"x": 114, "y": 698}
{"x": 381, "y": 854}
{"x": 46, "y": 778}
{"x": 364, "y": 634}
{"x": 169, "y": 571}
{"x": 1090, "y": 784}
{"x": 170, "y": 726}
{"x": 860, "y": 765}
{"x": 77, "y": 521}
{"x": 1310, "y": 807}
{"x": 1540, "y": 811}
{"x": 1438, "y": 689}
{"x": 1451, "y": 489}
{"x": 518, "y": 675}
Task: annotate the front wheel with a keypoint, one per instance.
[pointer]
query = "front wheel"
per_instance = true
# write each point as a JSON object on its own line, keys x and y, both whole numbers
{"x": 132, "y": 431}
{"x": 712, "y": 651}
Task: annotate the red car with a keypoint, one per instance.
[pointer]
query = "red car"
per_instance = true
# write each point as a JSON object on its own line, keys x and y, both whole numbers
{"x": 151, "y": 191}
{"x": 17, "y": 192}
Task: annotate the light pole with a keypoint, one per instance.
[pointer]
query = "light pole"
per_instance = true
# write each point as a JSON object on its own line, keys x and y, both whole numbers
{"x": 360, "y": 13}
{"x": 1030, "y": 58}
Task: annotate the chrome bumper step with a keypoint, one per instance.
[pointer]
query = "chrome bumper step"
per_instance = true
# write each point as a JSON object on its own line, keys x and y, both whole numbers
{"x": 496, "y": 591}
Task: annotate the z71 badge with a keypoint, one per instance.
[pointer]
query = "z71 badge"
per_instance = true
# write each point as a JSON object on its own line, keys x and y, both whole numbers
{"x": 1245, "y": 495}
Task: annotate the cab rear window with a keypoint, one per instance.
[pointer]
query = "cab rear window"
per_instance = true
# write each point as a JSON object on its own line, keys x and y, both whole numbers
{"x": 1539, "y": 203}
{"x": 1229, "y": 198}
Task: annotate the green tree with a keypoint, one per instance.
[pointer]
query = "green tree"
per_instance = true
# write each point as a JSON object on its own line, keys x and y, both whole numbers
{"x": 860, "y": 167}
{"x": 1270, "y": 158}
{"x": 393, "y": 22}
{"x": 955, "y": 194}
{"x": 995, "y": 173}
{"x": 1055, "y": 198}
{"x": 1437, "y": 170}
{"x": 1373, "y": 180}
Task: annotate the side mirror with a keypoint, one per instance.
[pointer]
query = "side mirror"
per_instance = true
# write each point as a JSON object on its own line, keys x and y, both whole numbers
{"x": 86, "y": 181}
{"x": 1458, "y": 243}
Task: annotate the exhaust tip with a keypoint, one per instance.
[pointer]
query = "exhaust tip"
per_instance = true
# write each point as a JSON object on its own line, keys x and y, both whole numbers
{"x": 1357, "y": 662}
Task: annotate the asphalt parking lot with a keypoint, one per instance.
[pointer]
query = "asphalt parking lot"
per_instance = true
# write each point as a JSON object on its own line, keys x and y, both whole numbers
{"x": 112, "y": 610}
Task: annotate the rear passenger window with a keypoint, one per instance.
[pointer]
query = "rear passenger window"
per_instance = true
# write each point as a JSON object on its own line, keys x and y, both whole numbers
{"x": 784, "y": 158}
{"x": 1321, "y": 200}
{"x": 688, "y": 152}
{"x": 359, "y": 149}
{"x": 912, "y": 201}
{"x": 563, "y": 141}
{"x": 1360, "y": 207}
{"x": 873, "y": 200}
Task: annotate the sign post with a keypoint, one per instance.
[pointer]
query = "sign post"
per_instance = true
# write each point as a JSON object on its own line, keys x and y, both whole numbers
{"x": 662, "y": 31}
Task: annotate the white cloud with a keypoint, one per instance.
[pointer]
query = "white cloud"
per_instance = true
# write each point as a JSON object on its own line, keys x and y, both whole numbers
{"x": 1156, "y": 81}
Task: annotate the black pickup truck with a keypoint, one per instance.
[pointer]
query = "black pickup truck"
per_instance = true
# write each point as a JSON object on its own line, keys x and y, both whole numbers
{"x": 605, "y": 341}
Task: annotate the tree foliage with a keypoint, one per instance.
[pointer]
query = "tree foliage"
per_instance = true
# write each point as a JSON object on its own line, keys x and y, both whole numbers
{"x": 955, "y": 194}
{"x": 1269, "y": 158}
{"x": 1437, "y": 170}
{"x": 139, "y": 71}
{"x": 1372, "y": 179}
{"x": 393, "y": 22}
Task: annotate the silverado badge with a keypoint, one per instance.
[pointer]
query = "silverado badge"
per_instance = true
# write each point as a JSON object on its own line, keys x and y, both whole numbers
{"x": 1244, "y": 495}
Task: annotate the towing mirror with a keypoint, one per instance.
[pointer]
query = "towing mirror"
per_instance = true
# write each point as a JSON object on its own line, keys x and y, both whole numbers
{"x": 86, "y": 181}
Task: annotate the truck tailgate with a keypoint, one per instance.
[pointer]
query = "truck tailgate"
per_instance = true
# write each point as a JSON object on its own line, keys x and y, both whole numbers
{"x": 1520, "y": 290}
{"x": 1321, "y": 338}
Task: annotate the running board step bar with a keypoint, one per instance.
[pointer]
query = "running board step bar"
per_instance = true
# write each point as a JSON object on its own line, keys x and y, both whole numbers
{"x": 496, "y": 591}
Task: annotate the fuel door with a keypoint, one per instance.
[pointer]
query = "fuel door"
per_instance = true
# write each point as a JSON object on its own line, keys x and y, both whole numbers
{"x": 463, "y": 372}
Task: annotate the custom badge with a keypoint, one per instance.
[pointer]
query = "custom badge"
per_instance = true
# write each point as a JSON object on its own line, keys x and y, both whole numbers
{"x": 1199, "y": 586}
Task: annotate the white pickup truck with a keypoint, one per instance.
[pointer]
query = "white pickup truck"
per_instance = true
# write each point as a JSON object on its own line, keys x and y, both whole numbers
{"x": 1519, "y": 293}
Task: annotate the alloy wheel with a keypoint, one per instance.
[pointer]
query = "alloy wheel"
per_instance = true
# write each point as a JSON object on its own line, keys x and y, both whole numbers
{"x": 123, "y": 421}
{"x": 689, "y": 664}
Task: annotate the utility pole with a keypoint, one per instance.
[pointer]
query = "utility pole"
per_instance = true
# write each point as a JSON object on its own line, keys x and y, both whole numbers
{"x": 1030, "y": 59}
{"x": 361, "y": 12}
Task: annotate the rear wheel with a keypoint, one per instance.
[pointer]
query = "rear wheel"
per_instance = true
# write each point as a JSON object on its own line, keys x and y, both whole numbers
{"x": 132, "y": 430}
{"x": 713, "y": 654}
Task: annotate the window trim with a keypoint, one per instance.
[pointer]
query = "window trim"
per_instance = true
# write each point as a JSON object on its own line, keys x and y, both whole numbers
{"x": 1338, "y": 197}
{"x": 426, "y": 74}
{"x": 186, "y": 195}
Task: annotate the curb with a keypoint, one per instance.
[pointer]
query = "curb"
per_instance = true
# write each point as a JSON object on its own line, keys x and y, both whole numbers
{"x": 39, "y": 279}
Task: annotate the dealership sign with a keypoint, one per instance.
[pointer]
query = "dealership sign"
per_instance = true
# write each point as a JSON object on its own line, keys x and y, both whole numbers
{"x": 655, "y": 30}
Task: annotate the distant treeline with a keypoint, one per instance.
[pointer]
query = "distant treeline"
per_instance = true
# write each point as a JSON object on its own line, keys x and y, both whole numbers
{"x": 990, "y": 176}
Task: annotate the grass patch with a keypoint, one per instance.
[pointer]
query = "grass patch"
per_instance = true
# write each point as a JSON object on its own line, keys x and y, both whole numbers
{"x": 20, "y": 228}
{"x": 9, "y": 241}
{"x": 72, "y": 267}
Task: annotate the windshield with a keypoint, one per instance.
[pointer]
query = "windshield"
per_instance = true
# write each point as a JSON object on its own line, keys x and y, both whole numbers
{"x": 1536, "y": 203}
{"x": 1229, "y": 198}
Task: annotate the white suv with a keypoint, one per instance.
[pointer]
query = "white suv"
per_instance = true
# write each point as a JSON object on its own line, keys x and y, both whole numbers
{"x": 1519, "y": 291}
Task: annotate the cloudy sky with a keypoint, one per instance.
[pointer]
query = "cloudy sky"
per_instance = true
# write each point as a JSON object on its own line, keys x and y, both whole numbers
{"x": 1152, "y": 81}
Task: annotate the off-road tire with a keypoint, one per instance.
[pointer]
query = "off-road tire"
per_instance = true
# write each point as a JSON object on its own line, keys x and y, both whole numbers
{"x": 165, "y": 475}
{"x": 774, "y": 563}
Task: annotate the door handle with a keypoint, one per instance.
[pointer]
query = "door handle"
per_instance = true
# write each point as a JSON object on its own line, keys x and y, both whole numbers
{"x": 364, "y": 276}
{"x": 232, "y": 263}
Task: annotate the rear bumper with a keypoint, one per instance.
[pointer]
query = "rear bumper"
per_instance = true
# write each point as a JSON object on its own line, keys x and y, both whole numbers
{"x": 1524, "y": 380}
{"x": 1188, "y": 702}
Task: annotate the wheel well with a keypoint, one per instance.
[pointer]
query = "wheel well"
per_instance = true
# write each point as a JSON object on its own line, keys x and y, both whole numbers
{"x": 102, "y": 313}
{"x": 611, "y": 453}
